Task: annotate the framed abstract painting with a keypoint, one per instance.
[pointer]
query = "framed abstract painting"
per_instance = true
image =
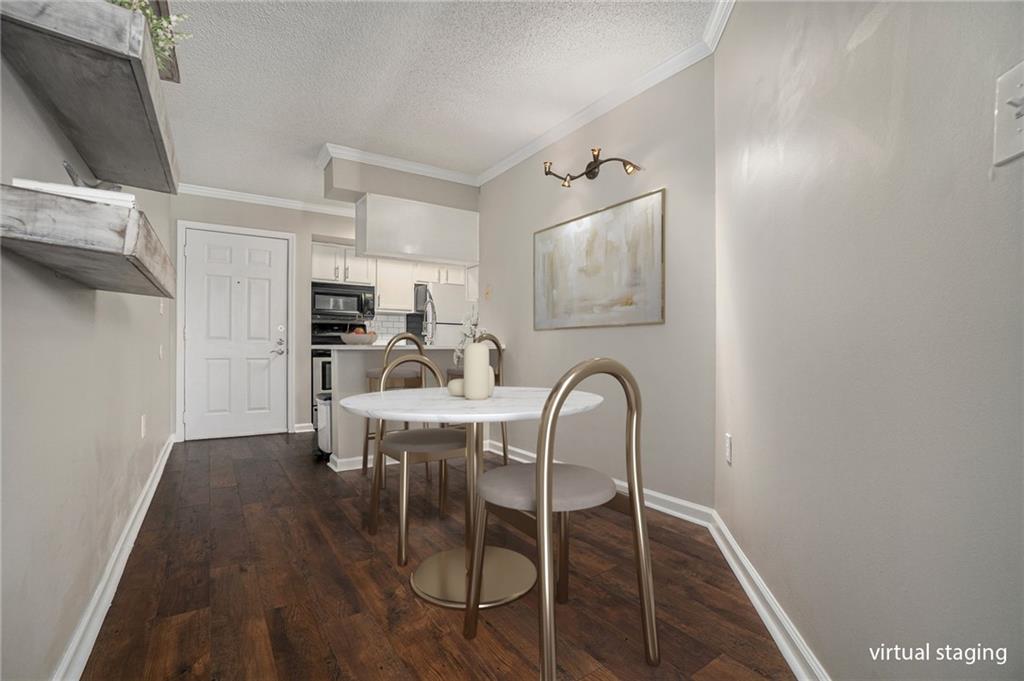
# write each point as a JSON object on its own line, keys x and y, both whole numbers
{"x": 606, "y": 268}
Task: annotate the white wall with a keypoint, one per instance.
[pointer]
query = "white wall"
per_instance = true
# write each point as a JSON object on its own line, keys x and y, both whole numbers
{"x": 667, "y": 130}
{"x": 869, "y": 325}
{"x": 80, "y": 367}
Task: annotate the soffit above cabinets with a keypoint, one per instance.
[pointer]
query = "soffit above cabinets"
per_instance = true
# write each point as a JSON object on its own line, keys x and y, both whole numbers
{"x": 391, "y": 227}
{"x": 349, "y": 180}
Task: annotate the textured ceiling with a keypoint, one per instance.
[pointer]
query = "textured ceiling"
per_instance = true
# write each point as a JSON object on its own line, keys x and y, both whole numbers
{"x": 455, "y": 85}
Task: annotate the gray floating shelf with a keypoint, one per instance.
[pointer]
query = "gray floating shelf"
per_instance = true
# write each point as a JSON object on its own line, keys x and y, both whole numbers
{"x": 104, "y": 247}
{"x": 91, "y": 63}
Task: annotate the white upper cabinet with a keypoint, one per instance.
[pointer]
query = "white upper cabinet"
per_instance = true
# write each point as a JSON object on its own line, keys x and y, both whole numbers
{"x": 425, "y": 272}
{"x": 454, "y": 275}
{"x": 326, "y": 265}
{"x": 390, "y": 227}
{"x": 332, "y": 262}
{"x": 359, "y": 270}
{"x": 395, "y": 282}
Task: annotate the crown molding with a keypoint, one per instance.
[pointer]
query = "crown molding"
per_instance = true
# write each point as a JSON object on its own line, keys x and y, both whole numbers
{"x": 716, "y": 23}
{"x": 613, "y": 99}
{"x": 342, "y": 209}
{"x": 709, "y": 42}
{"x": 329, "y": 151}
{"x": 685, "y": 59}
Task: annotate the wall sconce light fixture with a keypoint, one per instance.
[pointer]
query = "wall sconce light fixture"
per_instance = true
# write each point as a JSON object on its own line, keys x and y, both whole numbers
{"x": 592, "y": 169}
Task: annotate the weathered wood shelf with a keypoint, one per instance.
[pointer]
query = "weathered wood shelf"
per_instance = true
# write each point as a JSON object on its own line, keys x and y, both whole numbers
{"x": 104, "y": 247}
{"x": 92, "y": 64}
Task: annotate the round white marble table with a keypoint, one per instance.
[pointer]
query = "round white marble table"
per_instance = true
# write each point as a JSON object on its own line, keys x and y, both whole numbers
{"x": 441, "y": 578}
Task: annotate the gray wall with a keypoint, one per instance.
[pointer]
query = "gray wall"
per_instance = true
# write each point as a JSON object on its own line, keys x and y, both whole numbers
{"x": 79, "y": 367}
{"x": 668, "y": 130}
{"x": 869, "y": 325}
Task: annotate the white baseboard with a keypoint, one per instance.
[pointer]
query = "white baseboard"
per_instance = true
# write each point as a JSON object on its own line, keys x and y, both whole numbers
{"x": 794, "y": 648}
{"x": 303, "y": 428}
{"x": 352, "y": 463}
{"x": 72, "y": 663}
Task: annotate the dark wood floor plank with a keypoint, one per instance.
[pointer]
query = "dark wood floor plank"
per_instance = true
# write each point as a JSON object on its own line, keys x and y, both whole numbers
{"x": 299, "y": 648}
{"x": 724, "y": 668}
{"x": 179, "y": 647}
{"x": 239, "y": 637}
{"x": 362, "y": 648}
{"x": 253, "y": 562}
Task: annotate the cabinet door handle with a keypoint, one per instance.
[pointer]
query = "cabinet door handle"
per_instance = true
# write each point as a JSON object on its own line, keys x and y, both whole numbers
{"x": 335, "y": 271}
{"x": 346, "y": 272}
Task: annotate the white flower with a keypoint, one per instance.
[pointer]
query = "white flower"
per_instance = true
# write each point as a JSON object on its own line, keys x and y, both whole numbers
{"x": 470, "y": 332}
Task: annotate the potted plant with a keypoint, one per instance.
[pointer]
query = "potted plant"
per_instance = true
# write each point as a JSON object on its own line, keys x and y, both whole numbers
{"x": 162, "y": 32}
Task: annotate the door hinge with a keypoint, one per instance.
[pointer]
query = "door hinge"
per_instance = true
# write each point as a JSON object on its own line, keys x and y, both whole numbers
{"x": 184, "y": 333}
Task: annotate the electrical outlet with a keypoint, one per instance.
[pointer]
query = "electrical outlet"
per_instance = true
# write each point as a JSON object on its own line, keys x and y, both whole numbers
{"x": 160, "y": 352}
{"x": 142, "y": 427}
{"x": 728, "y": 449}
{"x": 161, "y": 307}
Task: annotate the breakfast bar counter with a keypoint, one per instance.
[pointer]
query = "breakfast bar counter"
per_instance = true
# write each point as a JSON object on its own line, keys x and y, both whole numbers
{"x": 349, "y": 364}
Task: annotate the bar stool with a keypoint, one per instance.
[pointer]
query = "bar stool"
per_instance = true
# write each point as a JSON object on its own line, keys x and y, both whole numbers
{"x": 412, "y": 446}
{"x": 459, "y": 373}
{"x": 549, "y": 489}
{"x": 411, "y": 377}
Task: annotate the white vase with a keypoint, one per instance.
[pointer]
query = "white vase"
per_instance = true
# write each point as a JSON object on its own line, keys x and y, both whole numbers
{"x": 455, "y": 388}
{"x": 475, "y": 382}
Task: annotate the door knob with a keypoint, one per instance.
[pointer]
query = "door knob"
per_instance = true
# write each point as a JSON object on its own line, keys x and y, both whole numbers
{"x": 277, "y": 351}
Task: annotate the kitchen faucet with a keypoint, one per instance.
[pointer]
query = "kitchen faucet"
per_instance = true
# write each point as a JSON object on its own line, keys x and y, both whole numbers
{"x": 430, "y": 318}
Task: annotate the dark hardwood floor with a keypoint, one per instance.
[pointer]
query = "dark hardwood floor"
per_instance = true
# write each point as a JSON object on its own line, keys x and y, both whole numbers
{"x": 252, "y": 563}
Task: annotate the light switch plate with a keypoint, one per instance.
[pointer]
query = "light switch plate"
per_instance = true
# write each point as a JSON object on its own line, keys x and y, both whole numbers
{"x": 728, "y": 448}
{"x": 1009, "y": 127}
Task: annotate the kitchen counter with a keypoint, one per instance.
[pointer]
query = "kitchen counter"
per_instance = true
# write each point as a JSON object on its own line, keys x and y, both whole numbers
{"x": 349, "y": 364}
{"x": 381, "y": 346}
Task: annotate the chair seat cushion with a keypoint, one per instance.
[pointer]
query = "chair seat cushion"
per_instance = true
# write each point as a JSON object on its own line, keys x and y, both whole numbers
{"x": 574, "y": 487}
{"x": 427, "y": 440}
{"x": 404, "y": 371}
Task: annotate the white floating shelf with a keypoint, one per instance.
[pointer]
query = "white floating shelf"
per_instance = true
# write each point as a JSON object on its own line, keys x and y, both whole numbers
{"x": 103, "y": 247}
{"x": 91, "y": 64}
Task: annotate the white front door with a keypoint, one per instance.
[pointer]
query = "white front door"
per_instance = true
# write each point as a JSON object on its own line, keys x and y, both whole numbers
{"x": 236, "y": 317}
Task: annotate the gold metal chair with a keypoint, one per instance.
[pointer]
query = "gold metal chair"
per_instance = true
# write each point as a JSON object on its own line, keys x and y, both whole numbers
{"x": 549, "y": 489}
{"x": 408, "y": 447}
{"x": 459, "y": 373}
{"x": 409, "y": 377}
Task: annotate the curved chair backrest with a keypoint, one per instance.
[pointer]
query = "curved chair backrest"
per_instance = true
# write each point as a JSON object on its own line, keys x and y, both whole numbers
{"x": 545, "y": 508}
{"x": 405, "y": 359}
{"x": 397, "y": 338}
{"x": 560, "y": 393}
{"x": 491, "y": 338}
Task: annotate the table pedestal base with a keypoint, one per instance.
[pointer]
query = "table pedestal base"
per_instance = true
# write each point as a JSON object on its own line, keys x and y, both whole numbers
{"x": 441, "y": 578}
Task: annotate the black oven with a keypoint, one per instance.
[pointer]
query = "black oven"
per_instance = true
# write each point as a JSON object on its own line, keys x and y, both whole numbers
{"x": 342, "y": 302}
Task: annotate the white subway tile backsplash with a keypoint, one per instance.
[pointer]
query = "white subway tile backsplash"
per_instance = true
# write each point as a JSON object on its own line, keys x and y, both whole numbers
{"x": 388, "y": 324}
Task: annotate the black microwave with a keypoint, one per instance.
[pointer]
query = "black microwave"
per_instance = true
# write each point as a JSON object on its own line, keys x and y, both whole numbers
{"x": 342, "y": 302}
